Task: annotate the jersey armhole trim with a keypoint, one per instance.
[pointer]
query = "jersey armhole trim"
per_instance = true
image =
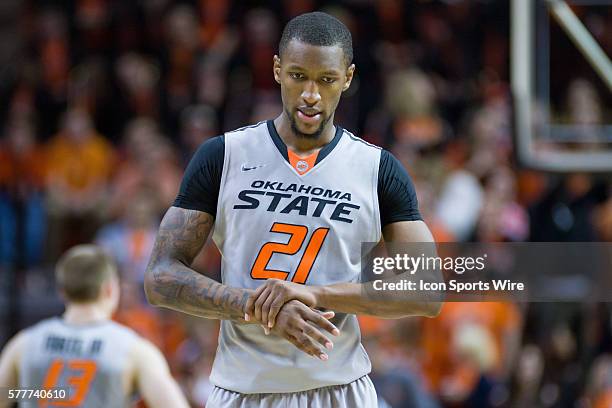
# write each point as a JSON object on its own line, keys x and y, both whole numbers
{"x": 378, "y": 219}
{"x": 225, "y": 139}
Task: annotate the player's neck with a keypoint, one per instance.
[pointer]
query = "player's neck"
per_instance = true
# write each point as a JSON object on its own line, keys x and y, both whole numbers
{"x": 84, "y": 313}
{"x": 303, "y": 145}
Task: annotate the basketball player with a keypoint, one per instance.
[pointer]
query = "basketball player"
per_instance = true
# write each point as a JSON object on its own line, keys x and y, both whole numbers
{"x": 99, "y": 362}
{"x": 289, "y": 199}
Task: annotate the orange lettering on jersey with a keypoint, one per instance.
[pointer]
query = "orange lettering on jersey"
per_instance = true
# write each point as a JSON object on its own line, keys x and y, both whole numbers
{"x": 310, "y": 255}
{"x": 298, "y": 236}
{"x": 51, "y": 379}
{"x": 81, "y": 381}
{"x": 302, "y": 164}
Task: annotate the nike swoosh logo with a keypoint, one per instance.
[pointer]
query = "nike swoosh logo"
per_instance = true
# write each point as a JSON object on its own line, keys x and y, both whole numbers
{"x": 245, "y": 168}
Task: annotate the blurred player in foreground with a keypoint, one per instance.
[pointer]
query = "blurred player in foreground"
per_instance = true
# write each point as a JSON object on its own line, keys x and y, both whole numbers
{"x": 98, "y": 361}
{"x": 291, "y": 201}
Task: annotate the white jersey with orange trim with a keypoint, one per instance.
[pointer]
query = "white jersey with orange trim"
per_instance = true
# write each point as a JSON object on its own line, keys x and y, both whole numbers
{"x": 305, "y": 226}
{"x": 88, "y": 360}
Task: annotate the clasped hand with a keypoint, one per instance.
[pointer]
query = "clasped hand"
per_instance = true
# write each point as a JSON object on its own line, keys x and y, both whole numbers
{"x": 288, "y": 309}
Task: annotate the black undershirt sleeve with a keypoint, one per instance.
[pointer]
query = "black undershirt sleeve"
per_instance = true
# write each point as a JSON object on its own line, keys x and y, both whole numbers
{"x": 202, "y": 179}
{"x": 397, "y": 198}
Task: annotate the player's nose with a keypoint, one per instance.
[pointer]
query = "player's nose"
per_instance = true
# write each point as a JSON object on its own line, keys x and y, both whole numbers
{"x": 310, "y": 93}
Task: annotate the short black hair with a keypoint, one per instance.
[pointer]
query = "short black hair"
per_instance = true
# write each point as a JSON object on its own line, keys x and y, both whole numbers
{"x": 318, "y": 28}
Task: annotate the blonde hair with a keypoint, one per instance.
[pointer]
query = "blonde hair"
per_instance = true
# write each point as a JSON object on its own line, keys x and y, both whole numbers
{"x": 81, "y": 272}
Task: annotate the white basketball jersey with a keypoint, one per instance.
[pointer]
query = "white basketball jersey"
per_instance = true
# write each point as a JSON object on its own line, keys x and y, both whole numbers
{"x": 273, "y": 222}
{"x": 88, "y": 360}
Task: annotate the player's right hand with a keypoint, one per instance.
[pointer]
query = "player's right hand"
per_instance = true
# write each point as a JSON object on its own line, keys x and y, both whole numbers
{"x": 304, "y": 327}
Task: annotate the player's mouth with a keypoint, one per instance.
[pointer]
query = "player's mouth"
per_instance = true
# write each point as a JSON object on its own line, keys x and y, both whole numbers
{"x": 309, "y": 116}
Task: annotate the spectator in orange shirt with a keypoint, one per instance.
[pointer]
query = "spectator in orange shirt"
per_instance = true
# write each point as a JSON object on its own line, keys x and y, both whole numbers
{"x": 80, "y": 166}
{"x": 466, "y": 342}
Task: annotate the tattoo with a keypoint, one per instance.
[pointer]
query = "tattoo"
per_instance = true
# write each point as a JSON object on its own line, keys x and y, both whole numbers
{"x": 182, "y": 234}
{"x": 172, "y": 283}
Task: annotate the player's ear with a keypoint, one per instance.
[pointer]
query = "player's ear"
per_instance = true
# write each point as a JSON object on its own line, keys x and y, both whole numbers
{"x": 350, "y": 71}
{"x": 276, "y": 68}
{"x": 110, "y": 288}
{"x": 106, "y": 290}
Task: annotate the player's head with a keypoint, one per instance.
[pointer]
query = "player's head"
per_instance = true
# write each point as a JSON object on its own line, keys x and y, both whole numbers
{"x": 313, "y": 66}
{"x": 86, "y": 274}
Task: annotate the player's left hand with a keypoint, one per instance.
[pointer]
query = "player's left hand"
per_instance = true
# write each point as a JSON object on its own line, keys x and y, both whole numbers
{"x": 265, "y": 303}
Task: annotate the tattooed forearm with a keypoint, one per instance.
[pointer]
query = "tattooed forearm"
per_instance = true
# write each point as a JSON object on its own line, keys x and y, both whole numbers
{"x": 182, "y": 289}
{"x": 171, "y": 283}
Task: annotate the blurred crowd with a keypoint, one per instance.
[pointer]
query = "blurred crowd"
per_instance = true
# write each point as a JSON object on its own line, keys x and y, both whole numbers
{"x": 103, "y": 103}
